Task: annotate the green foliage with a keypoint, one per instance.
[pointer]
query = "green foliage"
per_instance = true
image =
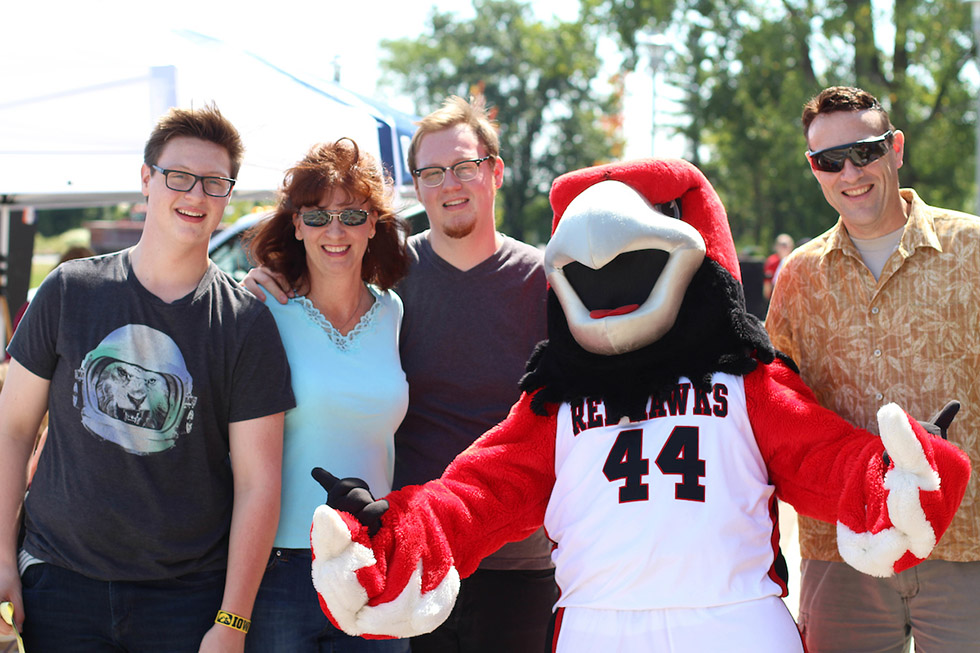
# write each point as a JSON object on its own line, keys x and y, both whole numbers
{"x": 538, "y": 76}
{"x": 746, "y": 67}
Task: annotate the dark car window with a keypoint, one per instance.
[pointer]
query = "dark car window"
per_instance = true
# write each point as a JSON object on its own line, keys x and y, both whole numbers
{"x": 226, "y": 248}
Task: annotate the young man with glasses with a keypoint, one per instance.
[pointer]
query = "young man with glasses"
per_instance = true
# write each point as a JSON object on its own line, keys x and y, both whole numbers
{"x": 474, "y": 310}
{"x": 883, "y": 308}
{"x": 150, "y": 518}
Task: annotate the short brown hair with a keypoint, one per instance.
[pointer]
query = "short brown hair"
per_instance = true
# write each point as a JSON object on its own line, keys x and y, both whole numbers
{"x": 206, "y": 124}
{"x": 841, "y": 98}
{"x": 454, "y": 111}
{"x": 339, "y": 166}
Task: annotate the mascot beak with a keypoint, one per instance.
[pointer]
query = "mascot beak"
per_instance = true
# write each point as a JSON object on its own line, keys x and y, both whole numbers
{"x": 620, "y": 267}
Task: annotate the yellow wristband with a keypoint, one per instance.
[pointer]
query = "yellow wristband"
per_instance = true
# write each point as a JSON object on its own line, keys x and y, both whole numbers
{"x": 232, "y": 621}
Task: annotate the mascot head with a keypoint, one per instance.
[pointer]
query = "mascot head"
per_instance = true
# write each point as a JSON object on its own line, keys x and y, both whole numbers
{"x": 645, "y": 287}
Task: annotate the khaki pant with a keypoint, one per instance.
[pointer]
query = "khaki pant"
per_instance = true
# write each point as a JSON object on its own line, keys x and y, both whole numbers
{"x": 935, "y": 603}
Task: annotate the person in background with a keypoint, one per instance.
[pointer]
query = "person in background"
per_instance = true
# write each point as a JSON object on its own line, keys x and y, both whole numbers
{"x": 884, "y": 307}
{"x": 782, "y": 246}
{"x": 70, "y": 254}
{"x": 474, "y": 310}
{"x": 334, "y": 238}
{"x": 153, "y": 508}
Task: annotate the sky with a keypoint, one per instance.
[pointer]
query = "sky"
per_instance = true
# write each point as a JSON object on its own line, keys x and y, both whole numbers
{"x": 55, "y": 44}
{"x": 310, "y": 35}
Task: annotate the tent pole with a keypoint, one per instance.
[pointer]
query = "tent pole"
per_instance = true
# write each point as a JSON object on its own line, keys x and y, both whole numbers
{"x": 4, "y": 245}
{"x": 5, "y": 317}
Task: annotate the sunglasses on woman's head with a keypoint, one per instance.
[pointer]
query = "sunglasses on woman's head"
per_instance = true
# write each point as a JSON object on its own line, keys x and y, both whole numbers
{"x": 861, "y": 153}
{"x": 320, "y": 217}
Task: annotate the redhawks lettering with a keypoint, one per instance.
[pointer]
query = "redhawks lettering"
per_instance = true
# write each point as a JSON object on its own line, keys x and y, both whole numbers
{"x": 590, "y": 413}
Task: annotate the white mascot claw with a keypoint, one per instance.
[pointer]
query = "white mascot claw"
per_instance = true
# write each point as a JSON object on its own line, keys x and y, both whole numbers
{"x": 876, "y": 553}
{"x": 338, "y": 558}
{"x": 911, "y": 474}
{"x": 412, "y": 613}
{"x": 335, "y": 567}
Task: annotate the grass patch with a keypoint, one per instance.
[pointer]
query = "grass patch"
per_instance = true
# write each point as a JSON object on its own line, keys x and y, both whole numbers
{"x": 38, "y": 272}
{"x": 58, "y": 243}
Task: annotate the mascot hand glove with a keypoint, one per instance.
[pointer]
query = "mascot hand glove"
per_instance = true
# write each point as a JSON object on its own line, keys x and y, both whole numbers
{"x": 906, "y": 500}
{"x": 939, "y": 424}
{"x": 349, "y": 578}
{"x": 353, "y": 496}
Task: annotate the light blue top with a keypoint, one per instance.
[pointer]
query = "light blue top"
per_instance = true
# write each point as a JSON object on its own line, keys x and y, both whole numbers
{"x": 351, "y": 395}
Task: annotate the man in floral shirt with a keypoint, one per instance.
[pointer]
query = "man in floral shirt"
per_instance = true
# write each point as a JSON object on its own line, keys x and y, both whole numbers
{"x": 884, "y": 307}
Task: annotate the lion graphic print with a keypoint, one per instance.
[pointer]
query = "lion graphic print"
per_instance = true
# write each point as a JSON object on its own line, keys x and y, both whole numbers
{"x": 132, "y": 394}
{"x": 134, "y": 390}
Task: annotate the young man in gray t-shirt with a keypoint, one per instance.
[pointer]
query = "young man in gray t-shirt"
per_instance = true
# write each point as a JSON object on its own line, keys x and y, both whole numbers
{"x": 151, "y": 515}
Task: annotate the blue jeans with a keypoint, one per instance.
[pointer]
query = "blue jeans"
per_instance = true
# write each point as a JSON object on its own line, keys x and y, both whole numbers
{"x": 65, "y": 611}
{"x": 287, "y": 616}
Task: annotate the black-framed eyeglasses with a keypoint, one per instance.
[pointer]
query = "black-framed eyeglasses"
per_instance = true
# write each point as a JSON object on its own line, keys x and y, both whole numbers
{"x": 184, "y": 182}
{"x": 433, "y": 176}
{"x": 861, "y": 153}
{"x": 320, "y": 217}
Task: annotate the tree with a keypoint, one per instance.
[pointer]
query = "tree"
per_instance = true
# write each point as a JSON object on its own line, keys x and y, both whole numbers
{"x": 746, "y": 67}
{"x": 538, "y": 77}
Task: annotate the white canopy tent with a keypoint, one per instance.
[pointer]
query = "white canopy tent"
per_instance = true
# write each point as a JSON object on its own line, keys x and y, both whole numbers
{"x": 75, "y": 136}
{"x": 72, "y": 129}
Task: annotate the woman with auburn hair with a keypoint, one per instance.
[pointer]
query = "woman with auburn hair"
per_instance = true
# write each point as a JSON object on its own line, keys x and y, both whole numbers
{"x": 335, "y": 240}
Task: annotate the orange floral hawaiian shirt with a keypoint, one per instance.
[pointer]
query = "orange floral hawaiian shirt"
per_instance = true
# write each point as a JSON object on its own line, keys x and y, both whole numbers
{"x": 912, "y": 337}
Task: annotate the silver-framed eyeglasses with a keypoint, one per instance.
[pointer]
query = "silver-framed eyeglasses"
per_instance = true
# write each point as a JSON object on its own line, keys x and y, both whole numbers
{"x": 320, "y": 217}
{"x": 184, "y": 182}
{"x": 433, "y": 176}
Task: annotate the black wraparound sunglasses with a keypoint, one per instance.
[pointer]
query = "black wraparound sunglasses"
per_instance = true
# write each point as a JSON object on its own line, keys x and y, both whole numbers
{"x": 861, "y": 153}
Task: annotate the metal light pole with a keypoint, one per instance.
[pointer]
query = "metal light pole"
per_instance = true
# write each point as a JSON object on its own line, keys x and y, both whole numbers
{"x": 975, "y": 6}
{"x": 657, "y": 45}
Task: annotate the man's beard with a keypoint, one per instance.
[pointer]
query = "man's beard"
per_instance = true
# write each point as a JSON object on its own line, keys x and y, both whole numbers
{"x": 458, "y": 230}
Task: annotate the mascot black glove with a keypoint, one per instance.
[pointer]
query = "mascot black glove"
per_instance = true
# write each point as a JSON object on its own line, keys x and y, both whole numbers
{"x": 940, "y": 422}
{"x": 353, "y": 496}
{"x": 937, "y": 426}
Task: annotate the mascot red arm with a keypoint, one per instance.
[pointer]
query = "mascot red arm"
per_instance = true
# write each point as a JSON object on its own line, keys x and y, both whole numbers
{"x": 657, "y": 429}
{"x": 403, "y": 580}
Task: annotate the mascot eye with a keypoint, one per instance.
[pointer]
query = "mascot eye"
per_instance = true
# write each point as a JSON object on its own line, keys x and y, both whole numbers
{"x": 671, "y": 209}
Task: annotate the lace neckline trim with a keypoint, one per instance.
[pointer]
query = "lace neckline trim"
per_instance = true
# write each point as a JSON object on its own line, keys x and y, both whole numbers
{"x": 342, "y": 342}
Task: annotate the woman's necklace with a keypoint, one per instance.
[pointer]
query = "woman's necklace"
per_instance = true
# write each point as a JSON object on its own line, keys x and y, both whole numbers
{"x": 357, "y": 307}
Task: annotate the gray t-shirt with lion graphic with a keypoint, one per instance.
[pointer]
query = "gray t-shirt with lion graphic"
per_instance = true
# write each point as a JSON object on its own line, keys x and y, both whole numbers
{"x": 135, "y": 480}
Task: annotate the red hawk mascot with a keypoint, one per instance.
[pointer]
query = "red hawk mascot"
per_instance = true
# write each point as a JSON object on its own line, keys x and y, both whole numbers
{"x": 656, "y": 430}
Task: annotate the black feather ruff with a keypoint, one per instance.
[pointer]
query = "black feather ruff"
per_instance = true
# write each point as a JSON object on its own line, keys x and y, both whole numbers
{"x": 713, "y": 333}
